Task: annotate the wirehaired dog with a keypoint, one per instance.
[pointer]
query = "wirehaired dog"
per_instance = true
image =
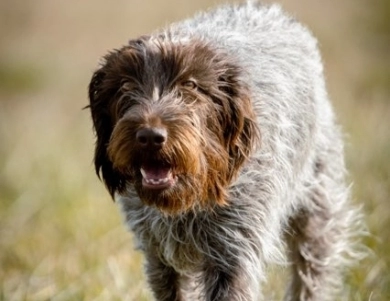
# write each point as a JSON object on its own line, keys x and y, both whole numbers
{"x": 217, "y": 139}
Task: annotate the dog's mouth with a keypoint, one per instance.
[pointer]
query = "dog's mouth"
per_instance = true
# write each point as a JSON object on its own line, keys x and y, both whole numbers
{"x": 157, "y": 176}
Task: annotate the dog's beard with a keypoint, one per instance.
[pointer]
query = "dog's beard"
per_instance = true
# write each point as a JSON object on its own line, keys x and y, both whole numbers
{"x": 173, "y": 178}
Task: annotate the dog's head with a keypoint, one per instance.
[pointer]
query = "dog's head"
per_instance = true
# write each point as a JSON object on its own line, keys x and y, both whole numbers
{"x": 174, "y": 120}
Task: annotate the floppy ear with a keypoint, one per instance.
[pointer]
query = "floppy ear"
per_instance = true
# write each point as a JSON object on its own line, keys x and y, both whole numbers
{"x": 241, "y": 131}
{"x": 99, "y": 101}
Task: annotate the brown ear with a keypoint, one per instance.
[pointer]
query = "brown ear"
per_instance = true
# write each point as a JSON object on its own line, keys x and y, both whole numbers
{"x": 103, "y": 90}
{"x": 248, "y": 135}
{"x": 99, "y": 99}
{"x": 241, "y": 133}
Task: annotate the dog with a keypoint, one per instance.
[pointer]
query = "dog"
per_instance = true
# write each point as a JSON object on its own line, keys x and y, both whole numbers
{"x": 217, "y": 139}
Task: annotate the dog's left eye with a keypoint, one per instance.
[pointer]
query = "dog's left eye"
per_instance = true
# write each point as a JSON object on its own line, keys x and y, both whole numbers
{"x": 189, "y": 84}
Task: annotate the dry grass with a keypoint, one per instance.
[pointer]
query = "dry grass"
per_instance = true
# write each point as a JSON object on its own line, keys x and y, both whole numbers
{"x": 60, "y": 236}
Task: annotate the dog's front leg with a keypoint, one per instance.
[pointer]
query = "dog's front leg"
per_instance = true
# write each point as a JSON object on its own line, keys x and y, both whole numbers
{"x": 229, "y": 283}
{"x": 163, "y": 280}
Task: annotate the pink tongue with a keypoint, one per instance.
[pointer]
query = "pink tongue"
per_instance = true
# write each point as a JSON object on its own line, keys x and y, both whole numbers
{"x": 155, "y": 173}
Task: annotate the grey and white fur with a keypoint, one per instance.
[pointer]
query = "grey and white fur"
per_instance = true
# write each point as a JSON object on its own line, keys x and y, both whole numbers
{"x": 290, "y": 203}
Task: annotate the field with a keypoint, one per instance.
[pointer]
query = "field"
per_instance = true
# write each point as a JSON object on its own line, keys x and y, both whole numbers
{"x": 61, "y": 238}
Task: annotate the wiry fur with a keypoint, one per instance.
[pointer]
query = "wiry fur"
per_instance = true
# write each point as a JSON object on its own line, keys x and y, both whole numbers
{"x": 257, "y": 153}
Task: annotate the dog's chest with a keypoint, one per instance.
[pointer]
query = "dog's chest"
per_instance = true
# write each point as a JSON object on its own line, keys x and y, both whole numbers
{"x": 179, "y": 242}
{"x": 183, "y": 255}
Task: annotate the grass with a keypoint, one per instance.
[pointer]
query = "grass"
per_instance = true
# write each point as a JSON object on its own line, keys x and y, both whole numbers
{"x": 60, "y": 236}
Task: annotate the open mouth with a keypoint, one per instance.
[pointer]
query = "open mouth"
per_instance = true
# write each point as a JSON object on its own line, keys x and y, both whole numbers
{"x": 157, "y": 176}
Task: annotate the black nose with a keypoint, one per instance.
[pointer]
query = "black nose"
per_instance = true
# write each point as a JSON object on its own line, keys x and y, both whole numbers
{"x": 151, "y": 137}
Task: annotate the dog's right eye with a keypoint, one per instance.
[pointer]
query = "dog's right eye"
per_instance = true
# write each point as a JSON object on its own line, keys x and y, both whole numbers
{"x": 126, "y": 86}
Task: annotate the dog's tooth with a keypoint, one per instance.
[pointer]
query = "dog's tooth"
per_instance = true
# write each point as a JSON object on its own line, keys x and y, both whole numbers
{"x": 143, "y": 173}
{"x": 157, "y": 181}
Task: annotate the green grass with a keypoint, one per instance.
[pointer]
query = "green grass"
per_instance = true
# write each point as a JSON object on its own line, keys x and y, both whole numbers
{"x": 23, "y": 78}
{"x": 61, "y": 238}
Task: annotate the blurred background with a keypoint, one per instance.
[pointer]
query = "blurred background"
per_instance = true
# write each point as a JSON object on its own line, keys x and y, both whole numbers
{"x": 61, "y": 237}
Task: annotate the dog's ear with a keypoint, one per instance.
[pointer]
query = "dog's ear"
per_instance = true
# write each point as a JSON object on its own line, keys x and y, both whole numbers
{"x": 103, "y": 90}
{"x": 100, "y": 96}
{"x": 241, "y": 132}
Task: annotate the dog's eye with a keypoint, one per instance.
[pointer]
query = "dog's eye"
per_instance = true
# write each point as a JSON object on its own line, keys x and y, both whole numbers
{"x": 189, "y": 84}
{"x": 126, "y": 86}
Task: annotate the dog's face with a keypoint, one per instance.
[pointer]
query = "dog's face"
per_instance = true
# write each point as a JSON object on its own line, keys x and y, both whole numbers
{"x": 174, "y": 120}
